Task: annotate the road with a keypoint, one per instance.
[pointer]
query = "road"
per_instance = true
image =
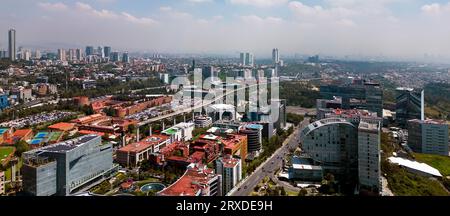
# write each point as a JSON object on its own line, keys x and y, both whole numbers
{"x": 190, "y": 109}
{"x": 245, "y": 187}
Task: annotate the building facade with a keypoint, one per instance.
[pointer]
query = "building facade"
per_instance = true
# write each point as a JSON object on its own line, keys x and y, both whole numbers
{"x": 409, "y": 105}
{"x": 369, "y": 159}
{"x": 62, "y": 168}
{"x": 231, "y": 171}
{"x": 12, "y": 44}
{"x": 428, "y": 136}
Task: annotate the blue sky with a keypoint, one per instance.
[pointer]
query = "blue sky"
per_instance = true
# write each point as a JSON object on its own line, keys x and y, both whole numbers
{"x": 397, "y": 28}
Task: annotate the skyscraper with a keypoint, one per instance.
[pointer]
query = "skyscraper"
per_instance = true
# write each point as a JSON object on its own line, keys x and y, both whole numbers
{"x": 100, "y": 52}
{"x": 107, "y": 51}
{"x": 61, "y": 54}
{"x": 12, "y": 44}
{"x": 125, "y": 57}
{"x": 89, "y": 50}
{"x": 79, "y": 55}
{"x": 37, "y": 54}
{"x": 247, "y": 59}
{"x": 409, "y": 105}
{"x": 275, "y": 56}
{"x": 72, "y": 55}
{"x": 369, "y": 160}
{"x": 115, "y": 57}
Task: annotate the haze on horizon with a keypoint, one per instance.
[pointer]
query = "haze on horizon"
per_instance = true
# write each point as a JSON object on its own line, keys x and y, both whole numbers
{"x": 393, "y": 28}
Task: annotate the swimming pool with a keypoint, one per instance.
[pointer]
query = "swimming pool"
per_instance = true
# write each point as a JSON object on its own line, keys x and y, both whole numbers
{"x": 152, "y": 187}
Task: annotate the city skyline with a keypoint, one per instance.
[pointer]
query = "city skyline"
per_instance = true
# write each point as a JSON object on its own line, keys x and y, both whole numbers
{"x": 389, "y": 28}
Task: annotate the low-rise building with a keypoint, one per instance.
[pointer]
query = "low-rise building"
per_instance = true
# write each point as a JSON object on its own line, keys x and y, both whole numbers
{"x": 62, "y": 126}
{"x": 132, "y": 154}
{"x": 198, "y": 180}
{"x": 180, "y": 132}
{"x": 202, "y": 121}
{"x": 304, "y": 169}
{"x": 428, "y": 136}
{"x": 20, "y": 135}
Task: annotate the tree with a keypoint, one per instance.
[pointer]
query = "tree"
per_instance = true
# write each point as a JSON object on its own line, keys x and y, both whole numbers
{"x": 21, "y": 147}
{"x": 303, "y": 192}
{"x": 283, "y": 191}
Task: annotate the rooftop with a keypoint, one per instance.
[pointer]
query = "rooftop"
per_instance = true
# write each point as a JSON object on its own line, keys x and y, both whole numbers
{"x": 63, "y": 126}
{"x": 230, "y": 162}
{"x": 430, "y": 121}
{"x": 22, "y": 132}
{"x": 144, "y": 143}
{"x": 191, "y": 183}
{"x": 66, "y": 145}
{"x": 415, "y": 165}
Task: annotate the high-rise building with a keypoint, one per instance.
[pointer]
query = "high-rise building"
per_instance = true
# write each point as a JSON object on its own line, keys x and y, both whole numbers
{"x": 25, "y": 54}
{"x": 231, "y": 171}
{"x": 79, "y": 54}
{"x": 61, "y": 55}
{"x": 115, "y": 56}
{"x": 333, "y": 142}
{"x": 275, "y": 56}
{"x": 62, "y": 168}
{"x": 428, "y": 136}
{"x": 12, "y": 44}
{"x": 410, "y": 105}
{"x": 247, "y": 59}
{"x": 125, "y": 57}
{"x": 3, "y": 54}
{"x": 369, "y": 160}
{"x": 72, "y": 55}
{"x": 209, "y": 72}
{"x": 100, "y": 52}
{"x": 347, "y": 150}
{"x": 89, "y": 50}
{"x": 107, "y": 51}
{"x": 37, "y": 54}
{"x": 359, "y": 94}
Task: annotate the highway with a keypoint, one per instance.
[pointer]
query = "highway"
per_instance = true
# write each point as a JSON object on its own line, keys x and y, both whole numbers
{"x": 245, "y": 187}
{"x": 190, "y": 109}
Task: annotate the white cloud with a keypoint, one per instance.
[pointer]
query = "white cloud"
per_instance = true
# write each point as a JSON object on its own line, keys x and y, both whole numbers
{"x": 259, "y": 3}
{"x": 436, "y": 8}
{"x": 318, "y": 12}
{"x": 58, "y": 6}
{"x": 165, "y": 8}
{"x": 175, "y": 13}
{"x": 106, "y": 14}
{"x": 199, "y": 1}
{"x": 253, "y": 19}
{"x": 142, "y": 20}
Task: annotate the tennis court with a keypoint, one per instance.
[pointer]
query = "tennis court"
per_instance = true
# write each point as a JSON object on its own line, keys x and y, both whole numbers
{"x": 41, "y": 135}
{"x": 36, "y": 141}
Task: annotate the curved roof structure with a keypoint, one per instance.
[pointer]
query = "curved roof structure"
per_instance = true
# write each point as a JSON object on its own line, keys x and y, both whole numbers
{"x": 222, "y": 107}
{"x": 324, "y": 122}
